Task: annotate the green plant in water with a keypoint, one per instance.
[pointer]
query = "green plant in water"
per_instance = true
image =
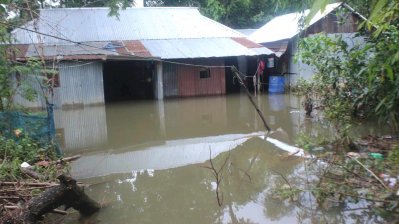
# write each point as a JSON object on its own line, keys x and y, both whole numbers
{"x": 360, "y": 81}
{"x": 337, "y": 82}
{"x": 288, "y": 192}
{"x": 308, "y": 143}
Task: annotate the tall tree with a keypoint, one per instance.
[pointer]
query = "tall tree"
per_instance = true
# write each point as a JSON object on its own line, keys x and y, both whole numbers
{"x": 249, "y": 13}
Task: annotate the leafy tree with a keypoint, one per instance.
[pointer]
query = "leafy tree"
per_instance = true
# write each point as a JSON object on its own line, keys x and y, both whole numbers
{"x": 249, "y": 13}
{"x": 371, "y": 74}
{"x": 337, "y": 82}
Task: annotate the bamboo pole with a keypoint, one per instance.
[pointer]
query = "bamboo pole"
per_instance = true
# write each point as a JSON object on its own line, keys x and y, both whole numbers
{"x": 237, "y": 74}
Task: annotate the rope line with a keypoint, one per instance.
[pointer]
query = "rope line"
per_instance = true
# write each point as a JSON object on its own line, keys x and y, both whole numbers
{"x": 128, "y": 56}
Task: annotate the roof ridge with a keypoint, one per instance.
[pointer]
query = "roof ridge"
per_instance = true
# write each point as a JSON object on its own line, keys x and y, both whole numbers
{"x": 222, "y": 25}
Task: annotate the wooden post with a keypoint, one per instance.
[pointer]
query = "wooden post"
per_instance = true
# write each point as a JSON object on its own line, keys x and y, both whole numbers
{"x": 159, "y": 84}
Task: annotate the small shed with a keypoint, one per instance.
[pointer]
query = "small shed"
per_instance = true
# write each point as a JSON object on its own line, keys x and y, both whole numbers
{"x": 144, "y": 53}
{"x": 281, "y": 35}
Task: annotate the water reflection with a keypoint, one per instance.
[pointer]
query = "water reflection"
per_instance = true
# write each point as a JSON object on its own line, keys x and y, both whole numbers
{"x": 171, "y": 154}
{"x": 146, "y": 160}
{"x": 128, "y": 124}
{"x": 81, "y": 128}
{"x": 186, "y": 194}
{"x": 165, "y": 134}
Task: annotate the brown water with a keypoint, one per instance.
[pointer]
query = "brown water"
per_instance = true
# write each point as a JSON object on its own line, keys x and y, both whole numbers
{"x": 146, "y": 160}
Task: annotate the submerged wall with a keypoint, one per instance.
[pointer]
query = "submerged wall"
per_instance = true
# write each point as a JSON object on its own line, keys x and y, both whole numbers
{"x": 183, "y": 81}
{"x": 80, "y": 84}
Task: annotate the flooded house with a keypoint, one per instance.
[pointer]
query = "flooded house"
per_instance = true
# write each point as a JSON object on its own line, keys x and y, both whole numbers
{"x": 143, "y": 53}
{"x": 336, "y": 19}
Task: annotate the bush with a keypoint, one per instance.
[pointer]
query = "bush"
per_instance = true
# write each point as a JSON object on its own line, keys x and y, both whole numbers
{"x": 355, "y": 82}
{"x": 13, "y": 152}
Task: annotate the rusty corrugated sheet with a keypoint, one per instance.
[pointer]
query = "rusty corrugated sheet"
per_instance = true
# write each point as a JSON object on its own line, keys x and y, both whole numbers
{"x": 190, "y": 83}
{"x": 246, "y": 43}
{"x": 137, "y": 48}
{"x": 21, "y": 50}
{"x": 86, "y": 51}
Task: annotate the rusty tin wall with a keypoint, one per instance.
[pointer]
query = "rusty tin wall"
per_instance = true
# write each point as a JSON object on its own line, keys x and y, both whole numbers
{"x": 190, "y": 83}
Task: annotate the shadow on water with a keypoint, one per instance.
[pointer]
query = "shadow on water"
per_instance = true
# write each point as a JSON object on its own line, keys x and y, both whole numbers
{"x": 146, "y": 159}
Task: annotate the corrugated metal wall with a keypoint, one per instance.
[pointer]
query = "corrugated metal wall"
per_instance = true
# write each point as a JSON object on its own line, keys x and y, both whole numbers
{"x": 190, "y": 83}
{"x": 81, "y": 83}
{"x": 31, "y": 80}
{"x": 183, "y": 81}
{"x": 170, "y": 87}
{"x": 333, "y": 24}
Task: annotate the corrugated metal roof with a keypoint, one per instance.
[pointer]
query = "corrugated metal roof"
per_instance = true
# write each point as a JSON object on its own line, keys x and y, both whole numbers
{"x": 246, "y": 43}
{"x": 164, "y": 32}
{"x": 201, "y": 48}
{"x": 287, "y": 26}
{"x": 164, "y": 49}
{"x": 69, "y": 49}
{"x": 87, "y": 51}
{"x": 279, "y": 47}
{"x": 94, "y": 24}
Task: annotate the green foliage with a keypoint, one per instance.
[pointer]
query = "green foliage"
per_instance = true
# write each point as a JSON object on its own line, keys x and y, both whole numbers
{"x": 393, "y": 157}
{"x": 317, "y": 5}
{"x": 362, "y": 81}
{"x": 339, "y": 79}
{"x": 113, "y": 5}
{"x": 24, "y": 149}
{"x": 238, "y": 13}
{"x": 248, "y": 13}
{"x": 306, "y": 142}
{"x": 15, "y": 77}
{"x": 287, "y": 192}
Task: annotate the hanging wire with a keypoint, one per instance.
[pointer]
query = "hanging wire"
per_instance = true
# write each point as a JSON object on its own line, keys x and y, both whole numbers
{"x": 128, "y": 56}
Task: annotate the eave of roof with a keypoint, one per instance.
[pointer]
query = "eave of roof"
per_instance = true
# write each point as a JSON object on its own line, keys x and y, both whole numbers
{"x": 149, "y": 49}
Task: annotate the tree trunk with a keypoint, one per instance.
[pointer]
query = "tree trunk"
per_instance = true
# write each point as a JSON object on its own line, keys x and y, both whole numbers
{"x": 68, "y": 193}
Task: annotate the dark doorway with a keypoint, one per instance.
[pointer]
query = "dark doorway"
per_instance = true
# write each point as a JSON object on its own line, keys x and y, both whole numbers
{"x": 128, "y": 80}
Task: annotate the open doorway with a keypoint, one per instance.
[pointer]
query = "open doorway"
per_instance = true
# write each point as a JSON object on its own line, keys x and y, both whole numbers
{"x": 128, "y": 80}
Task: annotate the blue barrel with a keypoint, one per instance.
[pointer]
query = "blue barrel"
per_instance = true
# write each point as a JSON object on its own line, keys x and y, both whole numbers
{"x": 276, "y": 84}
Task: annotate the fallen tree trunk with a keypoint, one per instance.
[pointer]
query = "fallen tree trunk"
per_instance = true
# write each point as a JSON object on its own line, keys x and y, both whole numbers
{"x": 68, "y": 193}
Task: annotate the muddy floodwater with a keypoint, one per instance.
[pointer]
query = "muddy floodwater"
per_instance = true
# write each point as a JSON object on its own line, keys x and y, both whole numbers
{"x": 147, "y": 160}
